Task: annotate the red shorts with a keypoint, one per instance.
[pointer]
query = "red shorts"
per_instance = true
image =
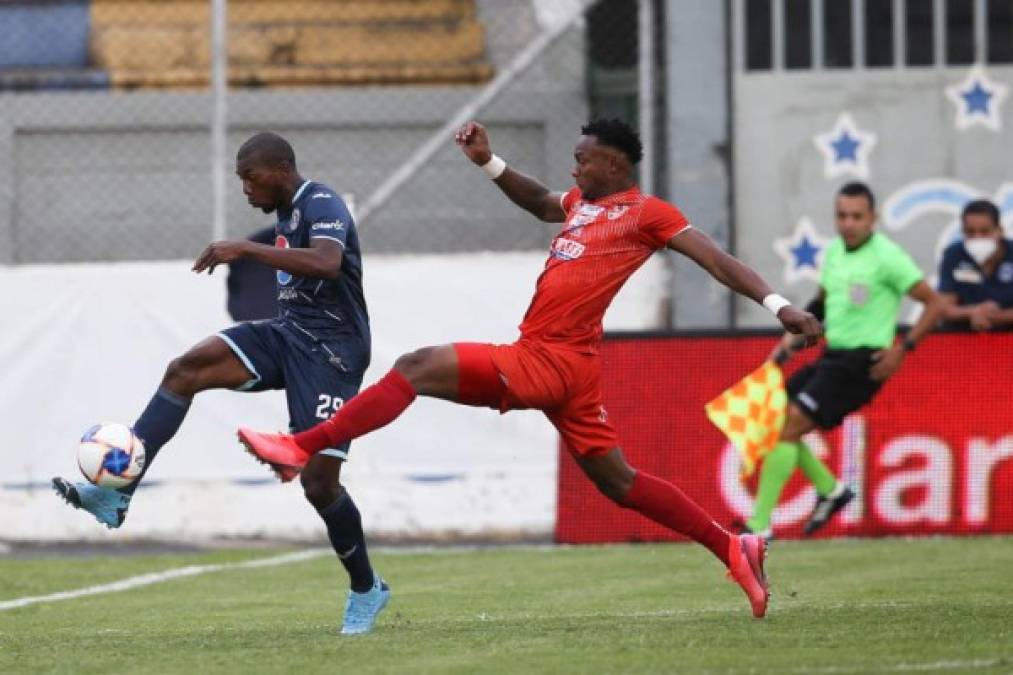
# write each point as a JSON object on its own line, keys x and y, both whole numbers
{"x": 562, "y": 383}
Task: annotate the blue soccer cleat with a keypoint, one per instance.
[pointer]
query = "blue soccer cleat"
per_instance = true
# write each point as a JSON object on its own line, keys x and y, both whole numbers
{"x": 108, "y": 506}
{"x": 362, "y": 609}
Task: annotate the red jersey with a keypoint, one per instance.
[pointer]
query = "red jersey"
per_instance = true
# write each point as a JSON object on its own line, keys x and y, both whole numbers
{"x": 599, "y": 246}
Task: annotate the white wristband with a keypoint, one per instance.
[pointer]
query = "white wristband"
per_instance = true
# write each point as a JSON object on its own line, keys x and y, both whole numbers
{"x": 775, "y": 303}
{"x": 495, "y": 167}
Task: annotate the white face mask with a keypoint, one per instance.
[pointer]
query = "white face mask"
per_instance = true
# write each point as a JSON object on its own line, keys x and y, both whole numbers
{"x": 980, "y": 248}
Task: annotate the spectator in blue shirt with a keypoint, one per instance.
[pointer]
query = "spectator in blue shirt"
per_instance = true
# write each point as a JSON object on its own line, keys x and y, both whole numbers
{"x": 976, "y": 274}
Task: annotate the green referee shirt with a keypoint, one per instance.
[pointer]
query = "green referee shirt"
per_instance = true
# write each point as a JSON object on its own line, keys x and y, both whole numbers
{"x": 863, "y": 290}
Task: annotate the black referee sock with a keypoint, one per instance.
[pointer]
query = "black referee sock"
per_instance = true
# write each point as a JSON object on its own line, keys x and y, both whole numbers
{"x": 157, "y": 425}
{"x": 344, "y": 528}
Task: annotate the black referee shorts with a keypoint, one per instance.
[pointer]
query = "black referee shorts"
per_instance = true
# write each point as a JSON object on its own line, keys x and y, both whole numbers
{"x": 834, "y": 386}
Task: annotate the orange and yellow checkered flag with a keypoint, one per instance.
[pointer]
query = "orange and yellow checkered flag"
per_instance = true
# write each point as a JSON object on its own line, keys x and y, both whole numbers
{"x": 751, "y": 414}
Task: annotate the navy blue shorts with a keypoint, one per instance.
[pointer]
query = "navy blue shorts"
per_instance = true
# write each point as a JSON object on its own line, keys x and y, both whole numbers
{"x": 318, "y": 375}
{"x": 834, "y": 386}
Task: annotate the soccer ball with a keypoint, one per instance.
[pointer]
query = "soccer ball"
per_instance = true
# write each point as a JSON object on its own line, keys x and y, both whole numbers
{"x": 111, "y": 455}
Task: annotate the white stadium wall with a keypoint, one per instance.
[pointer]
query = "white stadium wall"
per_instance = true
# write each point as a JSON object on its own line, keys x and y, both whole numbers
{"x": 88, "y": 343}
{"x": 909, "y": 136}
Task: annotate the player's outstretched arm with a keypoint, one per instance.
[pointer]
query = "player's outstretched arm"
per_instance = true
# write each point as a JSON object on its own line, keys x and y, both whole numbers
{"x": 322, "y": 260}
{"x": 731, "y": 272}
{"x": 524, "y": 191}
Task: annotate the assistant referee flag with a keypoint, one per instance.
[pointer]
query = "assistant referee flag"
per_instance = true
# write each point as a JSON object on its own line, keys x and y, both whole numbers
{"x": 751, "y": 414}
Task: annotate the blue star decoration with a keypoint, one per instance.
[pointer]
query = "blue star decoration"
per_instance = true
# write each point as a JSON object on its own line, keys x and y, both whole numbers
{"x": 801, "y": 251}
{"x": 978, "y": 100}
{"x": 845, "y": 148}
{"x": 805, "y": 253}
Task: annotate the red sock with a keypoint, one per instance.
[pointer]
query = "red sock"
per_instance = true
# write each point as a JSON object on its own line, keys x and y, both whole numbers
{"x": 666, "y": 504}
{"x": 374, "y": 407}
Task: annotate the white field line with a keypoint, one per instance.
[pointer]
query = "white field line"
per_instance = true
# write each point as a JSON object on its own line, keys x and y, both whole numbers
{"x": 165, "y": 575}
{"x": 195, "y": 570}
{"x": 973, "y": 664}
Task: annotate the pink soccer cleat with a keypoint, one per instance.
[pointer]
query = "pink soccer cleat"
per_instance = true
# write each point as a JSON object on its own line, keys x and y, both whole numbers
{"x": 278, "y": 451}
{"x": 746, "y": 553}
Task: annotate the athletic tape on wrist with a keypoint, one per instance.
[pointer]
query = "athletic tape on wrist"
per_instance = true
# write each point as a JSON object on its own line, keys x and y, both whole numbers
{"x": 495, "y": 167}
{"x": 775, "y": 303}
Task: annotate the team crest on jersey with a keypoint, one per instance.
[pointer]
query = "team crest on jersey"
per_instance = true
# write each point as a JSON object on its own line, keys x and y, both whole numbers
{"x": 617, "y": 212}
{"x": 293, "y": 222}
{"x": 566, "y": 249}
{"x": 1006, "y": 272}
{"x": 858, "y": 293}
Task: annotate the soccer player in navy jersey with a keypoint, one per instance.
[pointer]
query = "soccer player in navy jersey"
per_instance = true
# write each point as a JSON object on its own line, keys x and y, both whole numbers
{"x": 316, "y": 349}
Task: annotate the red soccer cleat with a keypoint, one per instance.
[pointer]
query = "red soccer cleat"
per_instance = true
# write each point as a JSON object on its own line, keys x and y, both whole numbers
{"x": 746, "y": 553}
{"x": 278, "y": 451}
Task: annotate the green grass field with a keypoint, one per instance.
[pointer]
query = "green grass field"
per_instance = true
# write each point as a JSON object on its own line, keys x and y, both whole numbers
{"x": 931, "y": 605}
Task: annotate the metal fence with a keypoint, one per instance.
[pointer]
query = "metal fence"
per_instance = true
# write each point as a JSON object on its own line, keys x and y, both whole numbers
{"x": 855, "y": 34}
{"x": 118, "y": 134}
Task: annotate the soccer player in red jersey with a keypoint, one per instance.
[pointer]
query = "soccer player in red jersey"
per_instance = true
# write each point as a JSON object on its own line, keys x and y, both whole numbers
{"x": 609, "y": 230}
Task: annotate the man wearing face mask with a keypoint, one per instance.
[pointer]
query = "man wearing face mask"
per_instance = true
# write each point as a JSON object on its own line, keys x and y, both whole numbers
{"x": 976, "y": 274}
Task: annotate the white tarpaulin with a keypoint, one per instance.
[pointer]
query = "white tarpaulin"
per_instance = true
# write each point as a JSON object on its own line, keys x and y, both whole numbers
{"x": 87, "y": 343}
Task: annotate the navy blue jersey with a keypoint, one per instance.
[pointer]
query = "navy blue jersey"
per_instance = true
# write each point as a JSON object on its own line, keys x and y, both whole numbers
{"x": 326, "y": 308}
{"x": 959, "y": 274}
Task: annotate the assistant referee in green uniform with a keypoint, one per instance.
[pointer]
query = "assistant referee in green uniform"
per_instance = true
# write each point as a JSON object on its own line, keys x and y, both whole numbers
{"x": 864, "y": 278}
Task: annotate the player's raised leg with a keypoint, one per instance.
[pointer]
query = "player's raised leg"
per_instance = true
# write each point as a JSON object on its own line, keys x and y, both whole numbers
{"x": 431, "y": 371}
{"x": 667, "y": 505}
{"x": 208, "y": 365}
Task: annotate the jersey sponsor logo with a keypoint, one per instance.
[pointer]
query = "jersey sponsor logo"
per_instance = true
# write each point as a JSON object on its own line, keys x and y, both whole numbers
{"x": 283, "y": 277}
{"x": 336, "y": 226}
{"x": 1006, "y": 272}
{"x": 293, "y": 222}
{"x": 585, "y": 215}
{"x": 321, "y": 195}
{"x": 566, "y": 249}
{"x": 288, "y": 294}
{"x": 966, "y": 274}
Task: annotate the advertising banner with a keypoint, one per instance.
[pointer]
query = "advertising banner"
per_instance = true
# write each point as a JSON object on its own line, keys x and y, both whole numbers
{"x": 932, "y": 454}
